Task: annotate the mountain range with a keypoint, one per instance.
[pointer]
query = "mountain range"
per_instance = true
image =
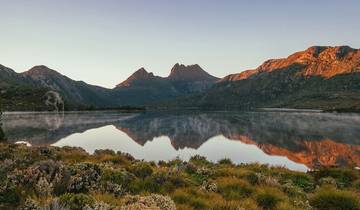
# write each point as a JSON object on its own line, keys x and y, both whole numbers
{"x": 319, "y": 77}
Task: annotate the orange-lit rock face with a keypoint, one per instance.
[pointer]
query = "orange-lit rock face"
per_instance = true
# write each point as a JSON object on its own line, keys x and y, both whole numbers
{"x": 243, "y": 75}
{"x": 313, "y": 154}
{"x": 317, "y": 61}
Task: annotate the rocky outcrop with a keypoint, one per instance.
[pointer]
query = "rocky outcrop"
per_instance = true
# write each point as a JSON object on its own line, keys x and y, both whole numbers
{"x": 180, "y": 72}
{"x": 321, "y": 61}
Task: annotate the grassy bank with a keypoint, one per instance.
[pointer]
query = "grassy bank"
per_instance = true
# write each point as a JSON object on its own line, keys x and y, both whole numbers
{"x": 70, "y": 178}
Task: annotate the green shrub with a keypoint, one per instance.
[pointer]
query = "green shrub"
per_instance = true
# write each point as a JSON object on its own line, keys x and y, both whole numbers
{"x": 191, "y": 199}
{"x": 304, "y": 181}
{"x": 190, "y": 168}
{"x": 357, "y": 184}
{"x": 9, "y": 195}
{"x": 141, "y": 169}
{"x": 76, "y": 201}
{"x": 100, "y": 152}
{"x": 291, "y": 190}
{"x": 199, "y": 160}
{"x": 225, "y": 161}
{"x": 120, "y": 177}
{"x": 331, "y": 199}
{"x": 234, "y": 189}
{"x": 268, "y": 198}
{"x": 146, "y": 185}
{"x": 252, "y": 178}
{"x": 344, "y": 177}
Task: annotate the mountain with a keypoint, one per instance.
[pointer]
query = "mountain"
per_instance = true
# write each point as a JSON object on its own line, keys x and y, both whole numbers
{"x": 318, "y": 77}
{"x": 18, "y": 92}
{"x": 190, "y": 78}
{"x": 144, "y": 87}
{"x": 31, "y": 89}
{"x": 76, "y": 93}
{"x": 139, "y": 78}
{"x": 316, "y": 61}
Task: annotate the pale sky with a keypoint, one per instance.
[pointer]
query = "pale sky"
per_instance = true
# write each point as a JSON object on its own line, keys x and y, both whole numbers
{"x": 103, "y": 42}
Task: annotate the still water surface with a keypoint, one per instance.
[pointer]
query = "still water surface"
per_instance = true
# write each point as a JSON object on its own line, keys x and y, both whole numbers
{"x": 296, "y": 140}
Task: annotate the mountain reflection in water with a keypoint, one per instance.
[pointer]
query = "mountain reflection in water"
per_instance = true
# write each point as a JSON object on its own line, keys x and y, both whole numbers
{"x": 295, "y": 140}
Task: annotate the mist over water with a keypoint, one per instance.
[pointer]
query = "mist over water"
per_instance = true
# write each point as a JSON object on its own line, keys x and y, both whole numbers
{"x": 296, "y": 140}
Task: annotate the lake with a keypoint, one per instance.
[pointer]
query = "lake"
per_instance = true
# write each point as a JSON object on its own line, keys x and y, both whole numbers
{"x": 297, "y": 140}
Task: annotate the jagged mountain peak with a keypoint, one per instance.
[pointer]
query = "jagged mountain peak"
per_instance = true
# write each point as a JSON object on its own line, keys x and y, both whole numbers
{"x": 193, "y": 72}
{"x": 138, "y": 76}
{"x": 142, "y": 73}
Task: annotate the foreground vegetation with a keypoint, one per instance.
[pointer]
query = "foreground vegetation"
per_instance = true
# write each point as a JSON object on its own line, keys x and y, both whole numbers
{"x": 70, "y": 178}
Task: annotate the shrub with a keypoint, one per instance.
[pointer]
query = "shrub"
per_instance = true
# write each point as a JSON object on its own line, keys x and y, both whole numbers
{"x": 234, "y": 189}
{"x": 144, "y": 185}
{"x": 190, "y": 198}
{"x": 268, "y": 198}
{"x": 153, "y": 201}
{"x": 225, "y": 161}
{"x": 253, "y": 178}
{"x": 291, "y": 190}
{"x": 100, "y": 152}
{"x": 304, "y": 181}
{"x": 8, "y": 195}
{"x": 76, "y": 201}
{"x": 357, "y": 184}
{"x": 344, "y": 177}
{"x": 331, "y": 199}
{"x": 190, "y": 168}
{"x": 287, "y": 206}
{"x": 141, "y": 169}
{"x": 329, "y": 181}
{"x": 120, "y": 177}
{"x": 199, "y": 160}
{"x": 84, "y": 177}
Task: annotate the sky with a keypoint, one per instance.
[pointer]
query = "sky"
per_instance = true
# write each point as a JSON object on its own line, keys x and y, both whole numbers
{"x": 103, "y": 42}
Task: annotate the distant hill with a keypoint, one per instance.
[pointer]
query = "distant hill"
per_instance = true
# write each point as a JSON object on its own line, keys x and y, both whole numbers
{"x": 319, "y": 77}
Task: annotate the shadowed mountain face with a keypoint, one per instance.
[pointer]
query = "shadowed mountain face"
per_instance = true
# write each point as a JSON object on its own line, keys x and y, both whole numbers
{"x": 144, "y": 87}
{"x": 74, "y": 92}
{"x": 313, "y": 139}
{"x": 27, "y": 90}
